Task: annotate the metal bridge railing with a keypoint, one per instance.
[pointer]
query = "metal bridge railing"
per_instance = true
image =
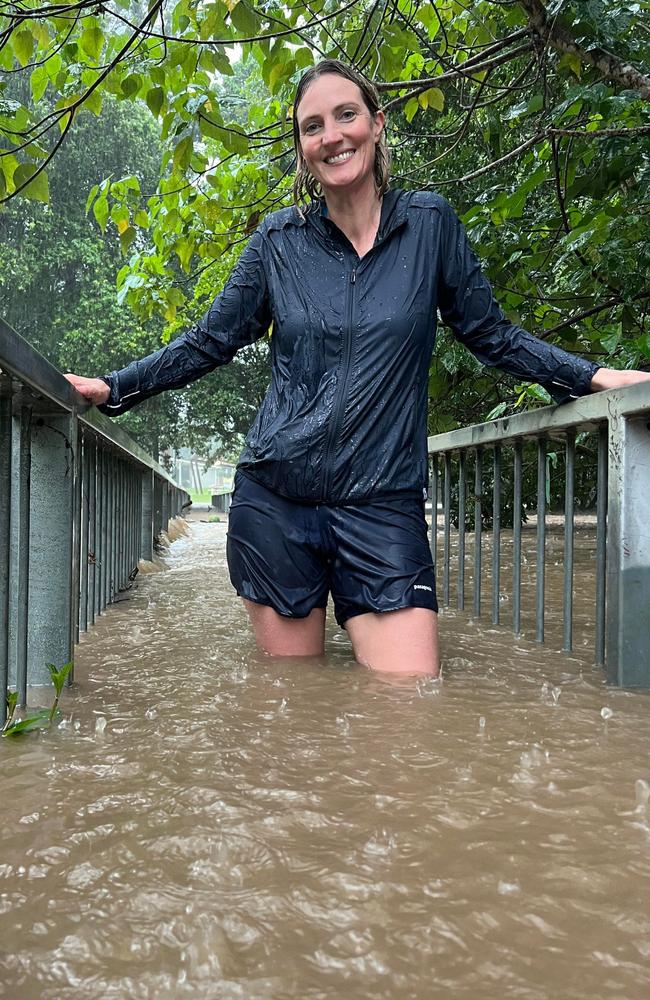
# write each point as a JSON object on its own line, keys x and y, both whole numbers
{"x": 80, "y": 504}
{"x": 619, "y": 423}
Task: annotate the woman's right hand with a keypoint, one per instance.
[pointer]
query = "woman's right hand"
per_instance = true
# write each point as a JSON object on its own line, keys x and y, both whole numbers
{"x": 93, "y": 389}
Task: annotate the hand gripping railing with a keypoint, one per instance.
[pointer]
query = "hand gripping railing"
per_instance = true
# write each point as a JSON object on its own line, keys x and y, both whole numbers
{"x": 80, "y": 504}
{"x": 619, "y": 421}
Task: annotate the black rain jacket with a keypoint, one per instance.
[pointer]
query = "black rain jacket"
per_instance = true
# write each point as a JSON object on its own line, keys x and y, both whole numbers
{"x": 345, "y": 416}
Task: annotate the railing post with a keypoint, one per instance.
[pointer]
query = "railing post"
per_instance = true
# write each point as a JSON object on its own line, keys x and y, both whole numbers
{"x": 157, "y": 506}
{"x": 628, "y": 550}
{"x": 90, "y": 458}
{"x": 146, "y": 517}
{"x": 52, "y": 597}
{"x": 5, "y": 493}
{"x": 20, "y": 508}
{"x": 434, "y": 514}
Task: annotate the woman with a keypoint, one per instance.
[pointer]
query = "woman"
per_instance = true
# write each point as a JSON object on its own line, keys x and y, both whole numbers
{"x": 329, "y": 489}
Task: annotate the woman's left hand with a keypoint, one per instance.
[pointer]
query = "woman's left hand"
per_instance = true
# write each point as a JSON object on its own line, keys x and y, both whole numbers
{"x": 612, "y": 378}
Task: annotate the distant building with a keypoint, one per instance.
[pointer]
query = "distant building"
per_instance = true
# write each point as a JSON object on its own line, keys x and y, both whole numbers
{"x": 193, "y": 473}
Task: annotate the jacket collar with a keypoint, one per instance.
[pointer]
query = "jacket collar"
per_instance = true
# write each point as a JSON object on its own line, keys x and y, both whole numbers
{"x": 393, "y": 214}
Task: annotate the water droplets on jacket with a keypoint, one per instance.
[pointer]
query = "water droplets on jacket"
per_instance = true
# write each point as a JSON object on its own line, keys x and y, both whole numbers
{"x": 345, "y": 414}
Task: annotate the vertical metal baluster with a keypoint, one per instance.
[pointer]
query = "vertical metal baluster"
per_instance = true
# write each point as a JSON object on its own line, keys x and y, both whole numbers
{"x": 541, "y": 539}
{"x": 569, "y": 498}
{"x": 100, "y": 502}
{"x": 84, "y": 519}
{"x": 108, "y": 518}
{"x": 113, "y": 487}
{"x": 516, "y": 539}
{"x": 132, "y": 553}
{"x": 91, "y": 442}
{"x": 20, "y": 544}
{"x": 5, "y": 552}
{"x": 462, "y": 473}
{"x": 129, "y": 529}
{"x": 447, "y": 527}
{"x": 434, "y": 512}
{"x": 147, "y": 492}
{"x": 106, "y": 528}
{"x": 124, "y": 526}
{"x": 121, "y": 527}
{"x": 478, "y": 526}
{"x": 105, "y": 541}
{"x": 601, "y": 541}
{"x": 138, "y": 525}
{"x": 496, "y": 533}
{"x": 77, "y": 533}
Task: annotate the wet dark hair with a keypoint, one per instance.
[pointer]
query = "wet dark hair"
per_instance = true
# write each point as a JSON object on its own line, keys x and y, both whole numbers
{"x": 305, "y": 188}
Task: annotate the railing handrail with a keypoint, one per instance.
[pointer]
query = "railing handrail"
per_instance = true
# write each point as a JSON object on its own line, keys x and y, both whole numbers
{"x": 585, "y": 412}
{"x": 19, "y": 360}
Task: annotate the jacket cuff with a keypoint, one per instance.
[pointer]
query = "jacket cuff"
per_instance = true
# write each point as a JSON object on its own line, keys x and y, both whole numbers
{"x": 563, "y": 392}
{"x": 125, "y": 388}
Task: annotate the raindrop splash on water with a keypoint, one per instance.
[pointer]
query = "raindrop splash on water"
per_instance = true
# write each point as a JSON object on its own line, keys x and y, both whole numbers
{"x": 606, "y": 713}
{"x": 642, "y": 792}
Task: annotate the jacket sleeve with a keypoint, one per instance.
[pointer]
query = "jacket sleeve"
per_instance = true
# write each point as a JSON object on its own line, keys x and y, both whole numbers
{"x": 468, "y": 307}
{"x": 239, "y": 315}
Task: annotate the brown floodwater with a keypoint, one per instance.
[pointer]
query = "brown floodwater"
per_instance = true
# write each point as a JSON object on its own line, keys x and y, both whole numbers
{"x": 210, "y": 823}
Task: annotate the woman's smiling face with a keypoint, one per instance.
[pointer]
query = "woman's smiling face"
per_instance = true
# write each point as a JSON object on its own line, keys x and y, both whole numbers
{"x": 338, "y": 135}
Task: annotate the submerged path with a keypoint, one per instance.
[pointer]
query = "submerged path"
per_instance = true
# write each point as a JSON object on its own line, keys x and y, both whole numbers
{"x": 209, "y": 823}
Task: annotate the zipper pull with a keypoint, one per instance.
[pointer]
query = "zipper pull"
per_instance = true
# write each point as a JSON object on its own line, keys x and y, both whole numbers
{"x": 353, "y": 277}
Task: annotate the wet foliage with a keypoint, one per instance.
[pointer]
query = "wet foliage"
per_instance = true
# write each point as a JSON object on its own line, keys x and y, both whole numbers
{"x": 531, "y": 117}
{"x": 43, "y": 718}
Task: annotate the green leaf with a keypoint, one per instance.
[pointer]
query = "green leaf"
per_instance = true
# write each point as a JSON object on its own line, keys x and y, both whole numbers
{"x": 303, "y": 58}
{"x": 183, "y": 153}
{"x": 432, "y": 98}
{"x": 92, "y": 194}
{"x": 155, "y": 99}
{"x": 39, "y": 721}
{"x": 12, "y": 701}
{"x": 92, "y": 41}
{"x": 36, "y": 190}
{"x": 571, "y": 61}
{"x": 234, "y": 140}
{"x": 127, "y": 236}
{"x": 244, "y": 19}
{"x": 131, "y": 85}
{"x": 38, "y": 82}
{"x": 23, "y": 46}
{"x": 59, "y": 676}
{"x": 93, "y": 103}
{"x": 100, "y": 211}
{"x": 410, "y": 109}
{"x": 497, "y": 411}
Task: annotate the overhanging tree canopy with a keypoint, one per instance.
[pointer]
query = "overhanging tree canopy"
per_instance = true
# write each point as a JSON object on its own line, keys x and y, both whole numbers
{"x": 532, "y": 117}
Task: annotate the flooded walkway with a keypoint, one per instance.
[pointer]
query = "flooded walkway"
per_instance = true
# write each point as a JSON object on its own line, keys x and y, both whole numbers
{"x": 209, "y": 823}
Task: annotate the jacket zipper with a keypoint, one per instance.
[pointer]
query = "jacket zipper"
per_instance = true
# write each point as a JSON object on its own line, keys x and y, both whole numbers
{"x": 342, "y": 391}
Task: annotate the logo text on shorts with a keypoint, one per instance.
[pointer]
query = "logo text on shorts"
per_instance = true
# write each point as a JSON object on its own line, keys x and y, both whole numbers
{"x": 421, "y": 586}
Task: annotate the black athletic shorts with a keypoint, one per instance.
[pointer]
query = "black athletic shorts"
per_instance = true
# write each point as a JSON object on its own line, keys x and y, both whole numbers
{"x": 289, "y": 556}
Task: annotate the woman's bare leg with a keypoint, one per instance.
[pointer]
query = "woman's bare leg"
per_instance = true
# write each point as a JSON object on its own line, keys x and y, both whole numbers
{"x": 280, "y": 636}
{"x": 397, "y": 642}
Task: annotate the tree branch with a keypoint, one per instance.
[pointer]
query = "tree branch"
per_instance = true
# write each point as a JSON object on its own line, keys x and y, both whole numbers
{"x": 611, "y": 67}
